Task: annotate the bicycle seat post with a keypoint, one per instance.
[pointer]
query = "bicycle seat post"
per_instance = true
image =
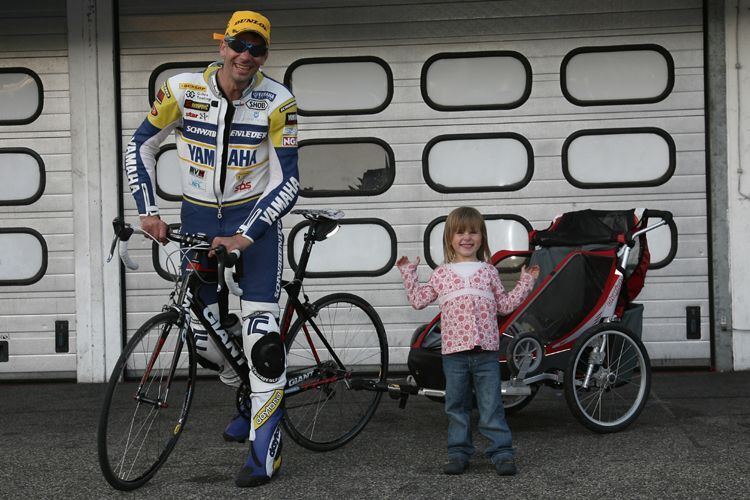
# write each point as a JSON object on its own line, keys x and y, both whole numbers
{"x": 304, "y": 257}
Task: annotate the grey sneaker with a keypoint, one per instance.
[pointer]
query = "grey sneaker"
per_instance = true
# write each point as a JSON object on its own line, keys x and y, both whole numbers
{"x": 506, "y": 467}
{"x": 455, "y": 466}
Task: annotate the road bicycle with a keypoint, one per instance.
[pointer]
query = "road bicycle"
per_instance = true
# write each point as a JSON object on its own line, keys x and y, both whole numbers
{"x": 337, "y": 354}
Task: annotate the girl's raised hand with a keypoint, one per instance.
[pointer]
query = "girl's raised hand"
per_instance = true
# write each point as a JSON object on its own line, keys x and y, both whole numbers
{"x": 404, "y": 261}
{"x": 533, "y": 271}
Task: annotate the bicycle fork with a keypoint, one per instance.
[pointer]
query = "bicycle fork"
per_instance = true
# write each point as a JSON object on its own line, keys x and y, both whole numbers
{"x": 161, "y": 401}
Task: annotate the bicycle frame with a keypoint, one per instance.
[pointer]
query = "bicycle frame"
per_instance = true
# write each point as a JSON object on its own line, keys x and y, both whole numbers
{"x": 188, "y": 300}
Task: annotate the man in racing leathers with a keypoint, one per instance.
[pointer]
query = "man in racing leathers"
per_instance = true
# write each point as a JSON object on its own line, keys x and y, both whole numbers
{"x": 236, "y": 136}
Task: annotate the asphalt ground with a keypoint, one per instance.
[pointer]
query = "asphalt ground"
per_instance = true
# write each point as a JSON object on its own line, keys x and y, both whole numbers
{"x": 691, "y": 441}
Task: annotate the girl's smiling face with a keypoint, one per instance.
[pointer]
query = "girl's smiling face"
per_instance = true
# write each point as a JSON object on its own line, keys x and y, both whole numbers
{"x": 466, "y": 243}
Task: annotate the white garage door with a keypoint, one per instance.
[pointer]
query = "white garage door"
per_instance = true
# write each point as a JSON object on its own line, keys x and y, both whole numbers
{"x": 37, "y": 288}
{"x": 527, "y": 109}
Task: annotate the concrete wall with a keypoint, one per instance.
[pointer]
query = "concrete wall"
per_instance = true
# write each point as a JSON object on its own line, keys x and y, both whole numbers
{"x": 738, "y": 174}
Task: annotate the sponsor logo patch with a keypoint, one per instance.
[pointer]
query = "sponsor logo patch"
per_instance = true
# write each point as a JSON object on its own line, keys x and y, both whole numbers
{"x": 241, "y": 157}
{"x": 244, "y": 186}
{"x": 288, "y": 141}
{"x": 287, "y": 106}
{"x": 269, "y": 408}
{"x": 160, "y": 95}
{"x": 263, "y": 94}
{"x": 291, "y": 118}
{"x": 249, "y": 134}
{"x": 274, "y": 447}
{"x": 165, "y": 88}
{"x": 200, "y": 106}
{"x": 200, "y": 131}
{"x": 251, "y": 21}
{"x": 196, "y": 172}
{"x": 201, "y": 116}
{"x": 256, "y": 104}
{"x": 193, "y": 86}
{"x": 198, "y": 184}
{"x": 289, "y": 130}
{"x": 202, "y": 156}
{"x": 154, "y": 112}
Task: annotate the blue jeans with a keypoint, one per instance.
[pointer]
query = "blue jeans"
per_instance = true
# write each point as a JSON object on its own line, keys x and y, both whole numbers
{"x": 480, "y": 370}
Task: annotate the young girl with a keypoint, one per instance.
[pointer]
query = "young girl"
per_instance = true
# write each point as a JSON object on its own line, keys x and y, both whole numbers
{"x": 470, "y": 295}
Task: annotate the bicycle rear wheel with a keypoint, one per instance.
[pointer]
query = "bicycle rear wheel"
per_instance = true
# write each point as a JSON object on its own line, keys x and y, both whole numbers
{"x": 333, "y": 361}
{"x": 147, "y": 402}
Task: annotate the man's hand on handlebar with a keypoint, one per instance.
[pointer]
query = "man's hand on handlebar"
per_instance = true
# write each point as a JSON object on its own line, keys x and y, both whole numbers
{"x": 236, "y": 242}
{"x": 156, "y": 227}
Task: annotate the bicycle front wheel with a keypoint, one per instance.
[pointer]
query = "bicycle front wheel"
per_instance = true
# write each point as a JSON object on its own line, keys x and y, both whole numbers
{"x": 608, "y": 379}
{"x": 147, "y": 401}
{"x": 334, "y": 359}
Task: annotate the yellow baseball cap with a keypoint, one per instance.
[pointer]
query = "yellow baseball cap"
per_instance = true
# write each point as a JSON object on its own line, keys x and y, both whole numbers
{"x": 247, "y": 20}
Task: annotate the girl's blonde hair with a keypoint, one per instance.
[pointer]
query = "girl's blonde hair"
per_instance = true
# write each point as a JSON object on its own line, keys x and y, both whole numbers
{"x": 465, "y": 218}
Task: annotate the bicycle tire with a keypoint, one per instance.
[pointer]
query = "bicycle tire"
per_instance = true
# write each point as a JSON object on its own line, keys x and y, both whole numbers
{"x": 620, "y": 379}
{"x": 328, "y": 405}
{"x": 138, "y": 429}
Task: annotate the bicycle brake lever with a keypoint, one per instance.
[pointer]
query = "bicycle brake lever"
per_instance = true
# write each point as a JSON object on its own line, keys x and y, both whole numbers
{"x": 233, "y": 287}
{"x": 122, "y": 232}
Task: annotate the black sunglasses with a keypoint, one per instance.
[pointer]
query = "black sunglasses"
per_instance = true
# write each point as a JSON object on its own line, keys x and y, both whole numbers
{"x": 240, "y": 46}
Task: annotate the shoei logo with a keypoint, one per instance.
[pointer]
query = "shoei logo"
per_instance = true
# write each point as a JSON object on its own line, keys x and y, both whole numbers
{"x": 260, "y": 105}
{"x": 269, "y": 408}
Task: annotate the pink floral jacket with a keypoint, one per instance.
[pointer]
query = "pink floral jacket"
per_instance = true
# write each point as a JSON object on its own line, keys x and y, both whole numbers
{"x": 469, "y": 306}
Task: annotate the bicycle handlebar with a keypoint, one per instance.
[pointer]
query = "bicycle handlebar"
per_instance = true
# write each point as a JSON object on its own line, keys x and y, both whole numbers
{"x": 642, "y": 227}
{"x": 226, "y": 261}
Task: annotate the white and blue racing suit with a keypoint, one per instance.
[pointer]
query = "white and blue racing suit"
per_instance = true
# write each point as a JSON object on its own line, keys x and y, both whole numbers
{"x": 238, "y": 165}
